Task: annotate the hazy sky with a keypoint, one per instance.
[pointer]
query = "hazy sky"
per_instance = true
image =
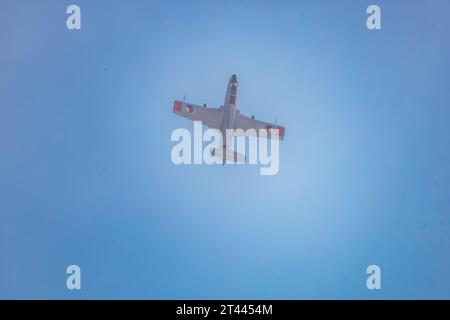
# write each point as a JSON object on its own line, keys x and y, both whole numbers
{"x": 85, "y": 170}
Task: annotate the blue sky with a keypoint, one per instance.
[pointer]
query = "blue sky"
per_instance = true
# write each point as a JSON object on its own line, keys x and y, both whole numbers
{"x": 86, "y": 176}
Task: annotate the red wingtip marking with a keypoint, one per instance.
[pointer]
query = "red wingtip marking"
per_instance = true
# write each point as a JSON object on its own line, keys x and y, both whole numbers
{"x": 281, "y": 132}
{"x": 177, "y": 106}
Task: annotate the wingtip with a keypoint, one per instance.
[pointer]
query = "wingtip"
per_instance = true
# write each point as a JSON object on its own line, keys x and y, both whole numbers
{"x": 177, "y": 106}
{"x": 281, "y": 130}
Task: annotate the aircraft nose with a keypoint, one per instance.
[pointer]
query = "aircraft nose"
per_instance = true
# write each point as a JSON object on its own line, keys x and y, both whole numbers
{"x": 233, "y": 79}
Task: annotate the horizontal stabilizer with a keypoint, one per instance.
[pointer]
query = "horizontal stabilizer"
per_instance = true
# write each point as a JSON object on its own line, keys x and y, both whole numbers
{"x": 230, "y": 155}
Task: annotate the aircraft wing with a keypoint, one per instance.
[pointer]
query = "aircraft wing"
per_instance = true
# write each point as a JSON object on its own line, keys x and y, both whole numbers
{"x": 210, "y": 117}
{"x": 245, "y": 123}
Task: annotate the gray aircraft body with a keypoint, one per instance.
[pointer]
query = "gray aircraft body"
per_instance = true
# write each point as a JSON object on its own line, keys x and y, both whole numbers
{"x": 226, "y": 117}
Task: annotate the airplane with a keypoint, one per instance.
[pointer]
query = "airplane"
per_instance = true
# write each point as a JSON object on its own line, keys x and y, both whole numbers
{"x": 226, "y": 117}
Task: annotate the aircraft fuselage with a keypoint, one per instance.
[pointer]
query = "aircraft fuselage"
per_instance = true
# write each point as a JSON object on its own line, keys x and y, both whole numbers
{"x": 230, "y": 109}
